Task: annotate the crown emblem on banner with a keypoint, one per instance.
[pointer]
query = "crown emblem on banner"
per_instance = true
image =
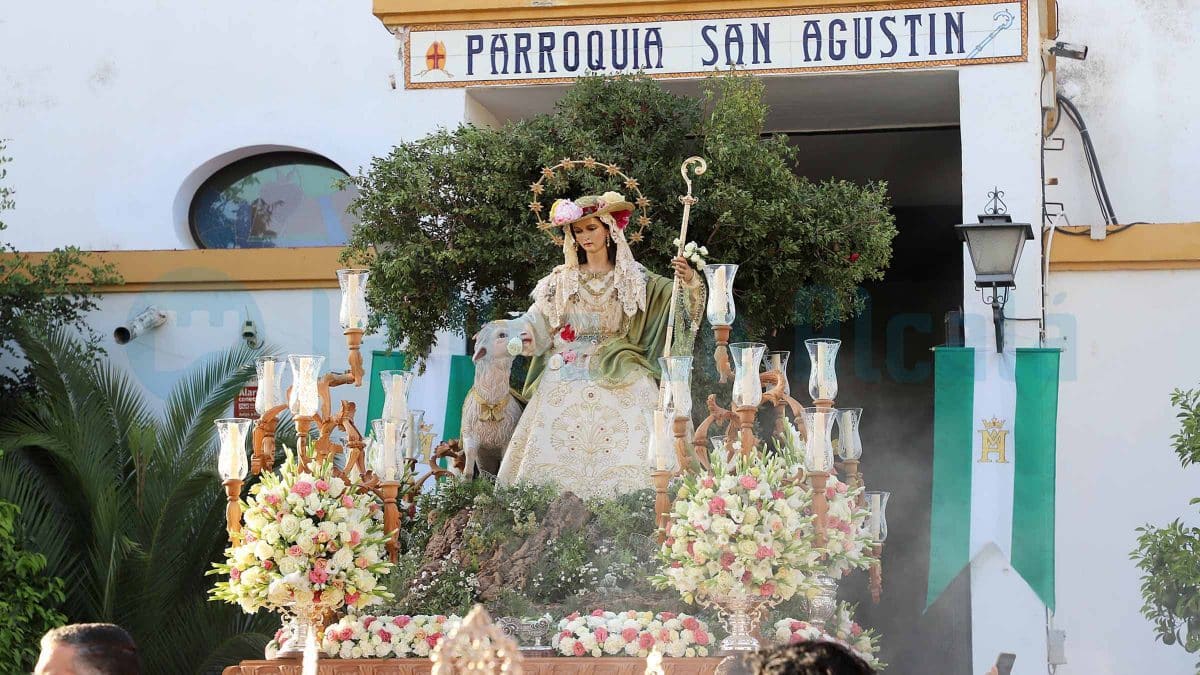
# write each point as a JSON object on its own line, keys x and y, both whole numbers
{"x": 994, "y": 424}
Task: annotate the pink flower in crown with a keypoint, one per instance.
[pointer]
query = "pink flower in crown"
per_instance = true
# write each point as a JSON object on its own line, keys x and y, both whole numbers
{"x": 302, "y": 488}
{"x": 347, "y": 501}
{"x": 320, "y": 513}
{"x": 563, "y": 211}
{"x": 322, "y": 485}
{"x": 748, "y": 482}
{"x": 621, "y": 219}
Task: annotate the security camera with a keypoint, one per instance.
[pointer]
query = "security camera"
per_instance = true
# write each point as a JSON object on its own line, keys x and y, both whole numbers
{"x": 250, "y": 334}
{"x": 146, "y": 321}
{"x": 1066, "y": 50}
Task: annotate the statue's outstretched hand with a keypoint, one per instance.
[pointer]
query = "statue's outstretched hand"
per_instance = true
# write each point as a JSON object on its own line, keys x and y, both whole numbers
{"x": 683, "y": 269}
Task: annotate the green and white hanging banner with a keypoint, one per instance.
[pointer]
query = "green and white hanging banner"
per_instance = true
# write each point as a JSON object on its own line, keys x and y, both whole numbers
{"x": 994, "y": 462}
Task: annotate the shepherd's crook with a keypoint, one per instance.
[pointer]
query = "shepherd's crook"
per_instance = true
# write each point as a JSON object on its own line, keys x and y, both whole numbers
{"x": 699, "y": 167}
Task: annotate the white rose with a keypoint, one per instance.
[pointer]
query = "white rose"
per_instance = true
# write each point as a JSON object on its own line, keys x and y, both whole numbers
{"x": 343, "y": 558}
{"x": 336, "y": 485}
{"x": 255, "y": 520}
{"x": 270, "y": 533}
{"x": 364, "y": 580}
{"x": 703, "y": 250}
{"x": 289, "y": 527}
{"x": 288, "y": 565}
{"x": 263, "y": 550}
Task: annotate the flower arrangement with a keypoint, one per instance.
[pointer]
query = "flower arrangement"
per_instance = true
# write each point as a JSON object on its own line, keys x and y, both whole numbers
{"x": 366, "y": 636}
{"x": 845, "y": 630}
{"x": 694, "y": 253}
{"x": 632, "y": 633}
{"x": 740, "y": 531}
{"x": 309, "y": 539}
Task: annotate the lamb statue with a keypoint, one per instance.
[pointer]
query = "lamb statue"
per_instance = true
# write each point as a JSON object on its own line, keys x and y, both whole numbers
{"x": 490, "y": 411}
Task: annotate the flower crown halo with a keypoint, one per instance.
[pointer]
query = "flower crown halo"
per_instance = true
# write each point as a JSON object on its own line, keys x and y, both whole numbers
{"x": 563, "y": 212}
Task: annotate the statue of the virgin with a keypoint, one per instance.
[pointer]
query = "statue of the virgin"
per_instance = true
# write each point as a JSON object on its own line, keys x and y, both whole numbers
{"x": 595, "y": 331}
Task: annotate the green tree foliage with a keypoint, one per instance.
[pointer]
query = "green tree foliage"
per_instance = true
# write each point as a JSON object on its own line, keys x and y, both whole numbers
{"x": 127, "y": 506}
{"x": 1169, "y": 557}
{"x": 45, "y": 291}
{"x": 447, "y": 230}
{"x": 28, "y": 598}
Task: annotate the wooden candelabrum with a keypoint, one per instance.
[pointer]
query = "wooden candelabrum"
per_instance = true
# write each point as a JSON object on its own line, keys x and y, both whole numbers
{"x": 877, "y": 573}
{"x": 721, "y": 354}
{"x": 679, "y": 427}
{"x": 818, "y": 481}
{"x": 233, "y": 510}
{"x": 263, "y": 445}
{"x": 662, "y": 503}
{"x": 388, "y": 490}
{"x": 853, "y": 477}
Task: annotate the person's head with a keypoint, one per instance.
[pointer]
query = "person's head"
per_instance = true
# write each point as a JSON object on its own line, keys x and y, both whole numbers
{"x": 593, "y": 237}
{"x": 88, "y": 649}
{"x": 809, "y": 658}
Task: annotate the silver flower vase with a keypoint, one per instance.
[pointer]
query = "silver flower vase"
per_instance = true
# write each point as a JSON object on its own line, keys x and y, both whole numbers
{"x": 304, "y": 625}
{"x": 823, "y": 604}
{"x": 741, "y": 615}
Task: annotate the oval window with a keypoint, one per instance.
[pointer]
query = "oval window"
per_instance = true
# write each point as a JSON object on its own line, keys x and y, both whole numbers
{"x": 276, "y": 199}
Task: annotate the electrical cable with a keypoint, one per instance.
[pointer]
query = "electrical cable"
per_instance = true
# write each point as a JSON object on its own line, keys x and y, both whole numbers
{"x": 1097, "y": 177}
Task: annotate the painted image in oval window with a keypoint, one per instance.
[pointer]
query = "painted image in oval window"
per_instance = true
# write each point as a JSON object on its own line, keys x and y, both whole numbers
{"x": 273, "y": 200}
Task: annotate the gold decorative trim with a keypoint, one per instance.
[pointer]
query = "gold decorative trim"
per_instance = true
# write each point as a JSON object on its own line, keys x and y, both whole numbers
{"x": 799, "y": 11}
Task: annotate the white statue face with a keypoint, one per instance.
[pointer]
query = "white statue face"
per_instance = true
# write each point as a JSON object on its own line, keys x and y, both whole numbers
{"x": 591, "y": 235}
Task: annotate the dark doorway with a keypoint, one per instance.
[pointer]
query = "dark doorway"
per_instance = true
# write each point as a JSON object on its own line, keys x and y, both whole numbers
{"x": 885, "y": 366}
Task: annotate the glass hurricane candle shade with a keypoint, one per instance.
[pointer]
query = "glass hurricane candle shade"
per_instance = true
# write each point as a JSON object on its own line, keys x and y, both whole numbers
{"x": 412, "y": 438}
{"x": 385, "y": 457}
{"x": 306, "y": 371}
{"x": 353, "y": 314}
{"x": 877, "y": 518}
{"x": 720, "y": 307}
{"x": 231, "y": 459}
{"x": 270, "y": 383}
{"x": 395, "y": 394}
{"x": 849, "y": 441}
{"x": 747, "y": 359}
{"x": 822, "y": 378}
{"x": 660, "y": 452}
{"x": 677, "y": 385}
{"x": 818, "y": 444}
{"x": 778, "y": 361}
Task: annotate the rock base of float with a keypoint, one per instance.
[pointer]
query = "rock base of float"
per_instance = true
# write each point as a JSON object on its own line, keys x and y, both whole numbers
{"x": 561, "y": 665}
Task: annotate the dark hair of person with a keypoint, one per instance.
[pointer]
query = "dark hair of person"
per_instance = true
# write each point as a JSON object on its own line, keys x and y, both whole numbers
{"x": 809, "y": 658}
{"x": 104, "y": 647}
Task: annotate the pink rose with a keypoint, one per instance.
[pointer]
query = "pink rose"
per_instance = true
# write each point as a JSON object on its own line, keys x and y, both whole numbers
{"x": 700, "y": 636}
{"x": 564, "y": 211}
{"x": 727, "y": 559}
{"x": 830, "y": 492}
{"x": 796, "y": 638}
{"x": 320, "y": 513}
{"x": 764, "y": 552}
{"x": 766, "y": 589}
{"x": 235, "y": 573}
{"x": 361, "y": 563}
{"x": 855, "y": 629}
{"x": 352, "y": 599}
{"x": 670, "y": 541}
{"x": 323, "y": 536}
{"x": 628, "y": 635}
{"x": 432, "y": 640}
{"x": 565, "y": 633}
{"x": 578, "y": 649}
{"x": 778, "y": 494}
{"x": 572, "y": 616}
{"x": 318, "y": 576}
{"x": 708, "y": 482}
{"x": 368, "y": 621}
{"x": 664, "y": 635}
{"x": 355, "y": 537}
{"x": 345, "y": 634}
{"x": 601, "y": 634}
{"x": 271, "y": 498}
{"x": 598, "y": 613}
{"x": 569, "y": 356}
{"x": 385, "y": 636}
{"x": 716, "y": 506}
{"x": 322, "y": 486}
{"x": 347, "y": 501}
{"x": 267, "y": 564}
{"x": 690, "y": 623}
{"x": 295, "y": 551}
{"x": 748, "y": 482}
{"x": 439, "y": 618}
{"x": 645, "y": 640}
{"x": 796, "y": 625}
{"x": 667, "y": 616}
{"x": 302, "y": 488}
{"x": 841, "y": 488}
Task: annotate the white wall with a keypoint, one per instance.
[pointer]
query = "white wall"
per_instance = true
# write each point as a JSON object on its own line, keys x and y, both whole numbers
{"x": 1138, "y": 90}
{"x": 1131, "y": 341}
{"x": 112, "y": 108}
